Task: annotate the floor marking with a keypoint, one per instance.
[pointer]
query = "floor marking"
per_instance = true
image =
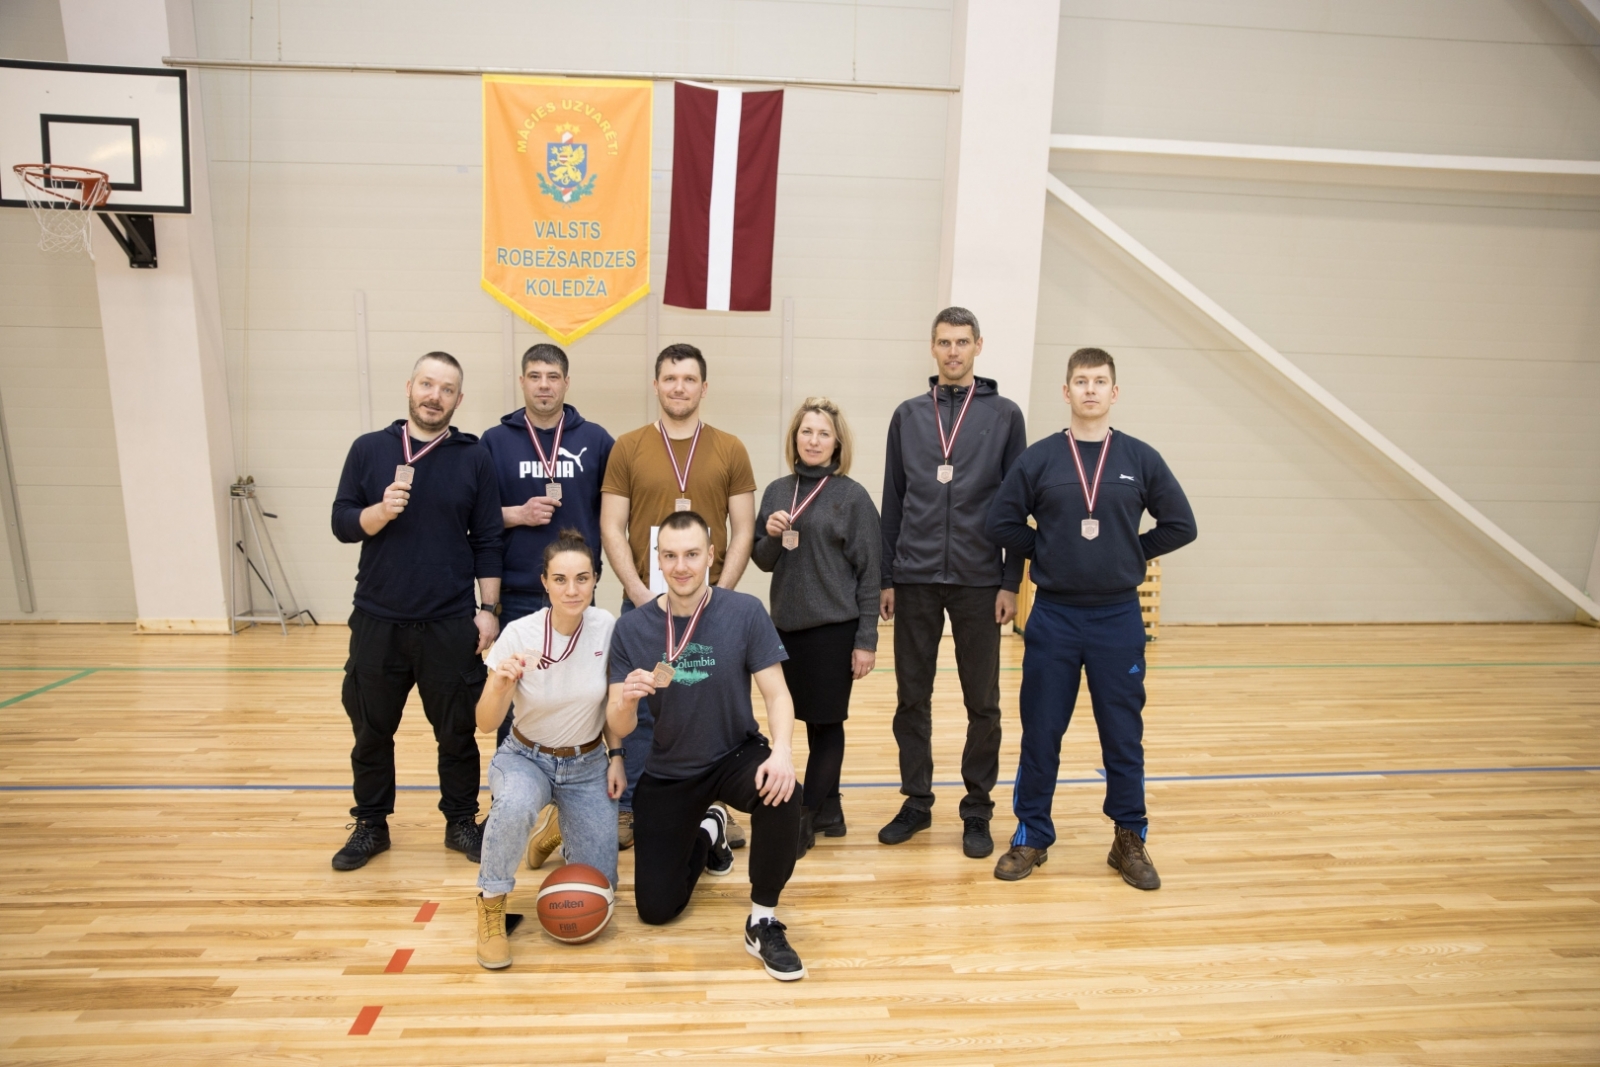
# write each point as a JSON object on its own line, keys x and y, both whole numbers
{"x": 397, "y": 962}
{"x": 363, "y": 1024}
{"x": 424, "y": 914}
{"x": 20, "y": 697}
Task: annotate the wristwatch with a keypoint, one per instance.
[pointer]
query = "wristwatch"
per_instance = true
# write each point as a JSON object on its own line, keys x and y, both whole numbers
{"x": 492, "y": 609}
{"x": 613, "y": 753}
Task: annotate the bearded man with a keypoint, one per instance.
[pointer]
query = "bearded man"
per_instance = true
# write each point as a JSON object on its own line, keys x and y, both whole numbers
{"x": 422, "y": 500}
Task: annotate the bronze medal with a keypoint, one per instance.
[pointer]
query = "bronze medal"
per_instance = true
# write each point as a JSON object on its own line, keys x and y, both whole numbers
{"x": 791, "y": 539}
{"x": 1091, "y": 529}
{"x": 662, "y": 675}
{"x": 946, "y": 472}
{"x": 553, "y": 491}
{"x": 404, "y": 473}
{"x": 681, "y": 504}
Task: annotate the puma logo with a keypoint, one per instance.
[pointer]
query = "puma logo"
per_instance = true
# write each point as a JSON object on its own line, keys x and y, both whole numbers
{"x": 578, "y": 459}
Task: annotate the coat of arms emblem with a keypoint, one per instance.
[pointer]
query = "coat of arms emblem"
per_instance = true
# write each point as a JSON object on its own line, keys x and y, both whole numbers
{"x": 567, "y": 169}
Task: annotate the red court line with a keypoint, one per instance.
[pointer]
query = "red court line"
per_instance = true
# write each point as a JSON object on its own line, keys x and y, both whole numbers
{"x": 425, "y": 912}
{"x": 363, "y": 1024}
{"x": 398, "y": 961}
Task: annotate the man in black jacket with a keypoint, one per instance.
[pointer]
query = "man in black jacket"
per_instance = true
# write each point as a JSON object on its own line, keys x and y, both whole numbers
{"x": 1086, "y": 488}
{"x": 421, "y": 498}
{"x": 948, "y": 450}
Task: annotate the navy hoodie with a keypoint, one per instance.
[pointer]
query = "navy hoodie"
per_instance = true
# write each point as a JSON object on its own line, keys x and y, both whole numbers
{"x": 580, "y": 468}
{"x": 421, "y": 566}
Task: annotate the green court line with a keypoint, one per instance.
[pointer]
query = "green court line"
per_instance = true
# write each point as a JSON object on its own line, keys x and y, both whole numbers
{"x": 247, "y": 670}
{"x": 19, "y": 698}
{"x": 1327, "y": 666}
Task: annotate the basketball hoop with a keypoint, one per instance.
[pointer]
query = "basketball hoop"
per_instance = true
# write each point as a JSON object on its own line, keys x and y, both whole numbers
{"x": 63, "y": 199}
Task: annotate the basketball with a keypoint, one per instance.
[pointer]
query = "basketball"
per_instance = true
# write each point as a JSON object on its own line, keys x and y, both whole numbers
{"x": 575, "y": 903}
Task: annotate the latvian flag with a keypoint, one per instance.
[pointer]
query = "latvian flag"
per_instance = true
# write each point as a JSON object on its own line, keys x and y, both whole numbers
{"x": 724, "y": 198}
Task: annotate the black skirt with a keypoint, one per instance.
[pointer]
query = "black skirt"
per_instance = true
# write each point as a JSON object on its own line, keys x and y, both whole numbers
{"x": 818, "y": 670}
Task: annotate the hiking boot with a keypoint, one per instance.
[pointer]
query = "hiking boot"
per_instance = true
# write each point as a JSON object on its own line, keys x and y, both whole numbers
{"x": 903, "y": 825}
{"x": 624, "y": 829}
{"x": 808, "y": 836}
{"x": 719, "y": 861}
{"x": 1132, "y": 861}
{"x": 494, "y": 949}
{"x": 546, "y": 837}
{"x": 368, "y": 837}
{"x": 829, "y": 819}
{"x": 766, "y": 941}
{"x": 975, "y": 839}
{"x": 465, "y": 835}
{"x": 1019, "y": 862}
{"x": 736, "y": 837}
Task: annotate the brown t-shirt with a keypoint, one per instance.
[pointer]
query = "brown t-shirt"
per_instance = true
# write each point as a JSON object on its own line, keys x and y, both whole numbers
{"x": 639, "y": 470}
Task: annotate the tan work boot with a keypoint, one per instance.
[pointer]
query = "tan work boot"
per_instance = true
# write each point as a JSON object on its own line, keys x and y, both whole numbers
{"x": 546, "y": 837}
{"x": 1132, "y": 861}
{"x": 1019, "y": 862}
{"x": 494, "y": 950}
{"x": 624, "y": 830}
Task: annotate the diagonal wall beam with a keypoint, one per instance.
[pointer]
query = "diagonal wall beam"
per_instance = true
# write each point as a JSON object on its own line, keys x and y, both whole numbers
{"x": 1275, "y": 359}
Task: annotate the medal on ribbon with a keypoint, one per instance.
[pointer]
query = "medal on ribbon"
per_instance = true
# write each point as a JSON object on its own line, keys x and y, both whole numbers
{"x": 682, "y": 503}
{"x": 1091, "y": 526}
{"x": 552, "y": 488}
{"x": 665, "y": 669}
{"x": 406, "y": 472}
{"x": 947, "y": 470}
{"x": 791, "y": 536}
{"x": 548, "y": 660}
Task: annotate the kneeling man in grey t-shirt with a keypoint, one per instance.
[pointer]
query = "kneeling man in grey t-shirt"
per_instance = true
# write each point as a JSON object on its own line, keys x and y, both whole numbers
{"x": 691, "y": 653}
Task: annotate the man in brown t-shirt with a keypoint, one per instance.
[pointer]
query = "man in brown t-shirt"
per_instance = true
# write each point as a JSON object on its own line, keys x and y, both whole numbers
{"x": 675, "y": 464}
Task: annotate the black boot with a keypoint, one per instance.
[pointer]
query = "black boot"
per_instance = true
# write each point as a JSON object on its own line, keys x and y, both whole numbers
{"x": 829, "y": 820}
{"x": 808, "y": 836}
{"x": 368, "y": 837}
{"x": 465, "y": 835}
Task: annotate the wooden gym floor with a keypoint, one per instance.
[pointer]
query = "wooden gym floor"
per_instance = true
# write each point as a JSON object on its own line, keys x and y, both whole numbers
{"x": 1380, "y": 845}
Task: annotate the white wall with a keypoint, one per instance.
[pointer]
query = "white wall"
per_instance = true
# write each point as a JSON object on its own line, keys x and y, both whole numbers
{"x": 1458, "y": 314}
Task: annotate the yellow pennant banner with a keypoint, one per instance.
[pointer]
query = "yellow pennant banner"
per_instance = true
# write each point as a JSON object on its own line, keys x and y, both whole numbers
{"x": 566, "y": 199}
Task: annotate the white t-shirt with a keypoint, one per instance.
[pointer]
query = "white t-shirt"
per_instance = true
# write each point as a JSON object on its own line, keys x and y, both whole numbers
{"x": 563, "y": 704}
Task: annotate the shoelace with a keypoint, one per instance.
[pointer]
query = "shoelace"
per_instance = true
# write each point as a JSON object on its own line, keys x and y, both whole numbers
{"x": 364, "y": 834}
{"x": 774, "y": 935}
{"x": 489, "y": 912}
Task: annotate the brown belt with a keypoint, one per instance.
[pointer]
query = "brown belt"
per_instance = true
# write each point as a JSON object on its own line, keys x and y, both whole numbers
{"x": 564, "y": 752}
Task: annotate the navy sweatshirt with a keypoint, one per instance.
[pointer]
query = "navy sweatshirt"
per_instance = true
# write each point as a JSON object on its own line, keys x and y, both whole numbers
{"x": 1067, "y": 567}
{"x": 421, "y": 566}
{"x": 580, "y": 468}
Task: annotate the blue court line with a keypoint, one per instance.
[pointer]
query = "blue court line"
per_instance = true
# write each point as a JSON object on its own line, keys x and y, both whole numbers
{"x": 1271, "y": 776}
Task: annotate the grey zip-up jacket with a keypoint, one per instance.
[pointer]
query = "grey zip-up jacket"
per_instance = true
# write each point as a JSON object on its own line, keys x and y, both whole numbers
{"x": 933, "y": 532}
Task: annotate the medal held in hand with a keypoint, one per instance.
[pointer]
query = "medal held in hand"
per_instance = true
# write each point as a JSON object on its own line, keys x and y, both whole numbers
{"x": 552, "y": 488}
{"x": 665, "y": 670}
{"x": 406, "y": 472}
{"x": 791, "y": 536}
{"x": 682, "y": 474}
{"x": 947, "y": 471}
{"x": 1091, "y": 526}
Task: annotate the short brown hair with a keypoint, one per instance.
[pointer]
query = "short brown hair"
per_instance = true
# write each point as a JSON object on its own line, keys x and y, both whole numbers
{"x": 443, "y": 357}
{"x": 954, "y": 316}
{"x": 678, "y": 352}
{"x": 686, "y": 520}
{"x": 1089, "y": 358}
{"x": 842, "y": 449}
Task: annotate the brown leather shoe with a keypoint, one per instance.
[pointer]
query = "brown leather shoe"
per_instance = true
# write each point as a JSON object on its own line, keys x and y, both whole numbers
{"x": 624, "y": 830}
{"x": 546, "y": 837}
{"x": 1132, "y": 861}
{"x": 1019, "y": 862}
{"x": 494, "y": 950}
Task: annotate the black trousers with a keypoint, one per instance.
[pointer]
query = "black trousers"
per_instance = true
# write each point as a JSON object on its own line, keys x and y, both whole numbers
{"x": 919, "y": 612}
{"x": 386, "y": 660}
{"x": 670, "y": 849}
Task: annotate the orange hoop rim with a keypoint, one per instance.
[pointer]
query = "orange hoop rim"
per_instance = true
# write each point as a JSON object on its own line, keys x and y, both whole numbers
{"x": 90, "y": 188}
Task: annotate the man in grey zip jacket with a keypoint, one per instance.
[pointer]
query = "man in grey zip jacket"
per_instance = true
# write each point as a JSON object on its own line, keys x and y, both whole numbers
{"x": 948, "y": 451}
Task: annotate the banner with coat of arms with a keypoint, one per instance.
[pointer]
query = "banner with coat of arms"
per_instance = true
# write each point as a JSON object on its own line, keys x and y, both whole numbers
{"x": 566, "y": 199}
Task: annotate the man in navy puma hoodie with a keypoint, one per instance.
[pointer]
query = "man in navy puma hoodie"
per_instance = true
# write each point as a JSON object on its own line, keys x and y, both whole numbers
{"x": 545, "y": 429}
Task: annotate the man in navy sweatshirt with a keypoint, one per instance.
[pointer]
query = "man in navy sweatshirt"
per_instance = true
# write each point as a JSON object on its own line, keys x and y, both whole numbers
{"x": 420, "y": 497}
{"x": 1086, "y": 489}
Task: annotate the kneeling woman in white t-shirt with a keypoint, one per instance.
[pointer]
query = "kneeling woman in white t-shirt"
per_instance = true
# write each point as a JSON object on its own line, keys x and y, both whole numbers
{"x": 552, "y": 664}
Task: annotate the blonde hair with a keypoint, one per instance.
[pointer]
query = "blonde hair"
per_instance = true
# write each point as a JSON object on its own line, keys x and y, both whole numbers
{"x": 841, "y": 431}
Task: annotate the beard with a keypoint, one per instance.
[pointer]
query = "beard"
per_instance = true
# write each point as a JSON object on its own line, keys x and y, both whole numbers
{"x": 420, "y": 418}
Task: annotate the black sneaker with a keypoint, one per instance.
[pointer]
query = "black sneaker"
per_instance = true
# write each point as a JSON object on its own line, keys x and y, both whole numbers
{"x": 465, "y": 836}
{"x": 902, "y": 826}
{"x": 368, "y": 837}
{"x": 765, "y": 941}
{"x": 719, "y": 861}
{"x": 829, "y": 820}
{"x": 975, "y": 839}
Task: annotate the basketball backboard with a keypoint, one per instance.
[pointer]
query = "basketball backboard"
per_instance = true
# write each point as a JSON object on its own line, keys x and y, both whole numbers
{"x": 131, "y": 122}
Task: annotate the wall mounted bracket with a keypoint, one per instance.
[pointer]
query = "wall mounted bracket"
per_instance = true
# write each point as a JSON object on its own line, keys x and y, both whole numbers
{"x": 136, "y": 235}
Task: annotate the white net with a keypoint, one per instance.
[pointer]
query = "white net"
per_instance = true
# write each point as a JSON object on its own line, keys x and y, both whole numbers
{"x": 63, "y": 199}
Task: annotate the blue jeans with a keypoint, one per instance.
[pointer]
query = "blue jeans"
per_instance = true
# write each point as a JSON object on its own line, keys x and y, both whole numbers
{"x": 523, "y": 782}
{"x": 1060, "y": 644}
{"x": 637, "y": 743}
{"x": 514, "y": 606}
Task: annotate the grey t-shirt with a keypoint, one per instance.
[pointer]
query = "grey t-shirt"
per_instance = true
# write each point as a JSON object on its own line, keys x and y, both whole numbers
{"x": 706, "y": 712}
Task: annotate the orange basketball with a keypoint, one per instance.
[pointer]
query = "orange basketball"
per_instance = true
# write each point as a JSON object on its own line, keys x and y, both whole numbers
{"x": 575, "y": 903}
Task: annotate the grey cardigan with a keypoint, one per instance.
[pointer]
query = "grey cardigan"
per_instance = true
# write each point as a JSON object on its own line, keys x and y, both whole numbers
{"x": 832, "y": 576}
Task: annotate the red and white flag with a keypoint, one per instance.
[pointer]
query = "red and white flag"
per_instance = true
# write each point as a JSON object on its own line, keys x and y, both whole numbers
{"x": 724, "y": 198}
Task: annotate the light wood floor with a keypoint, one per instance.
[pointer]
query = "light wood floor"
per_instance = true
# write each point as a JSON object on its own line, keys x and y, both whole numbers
{"x": 1322, "y": 903}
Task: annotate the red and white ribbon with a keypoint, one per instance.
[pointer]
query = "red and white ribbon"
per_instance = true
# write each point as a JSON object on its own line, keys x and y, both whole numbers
{"x": 794, "y": 512}
{"x": 675, "y": 648}
{"x": 547, "y": 661}
{"x": 555, "y": 445}
{"x": 405, "y": 445}
{"x": 1090, "y": 493}
{"x": 946, "y": 446}
{"x": 681, "y": 474}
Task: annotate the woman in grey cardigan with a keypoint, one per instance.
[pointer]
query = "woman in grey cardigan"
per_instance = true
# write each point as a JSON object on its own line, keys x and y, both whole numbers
{"x": 817, "y": 534}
